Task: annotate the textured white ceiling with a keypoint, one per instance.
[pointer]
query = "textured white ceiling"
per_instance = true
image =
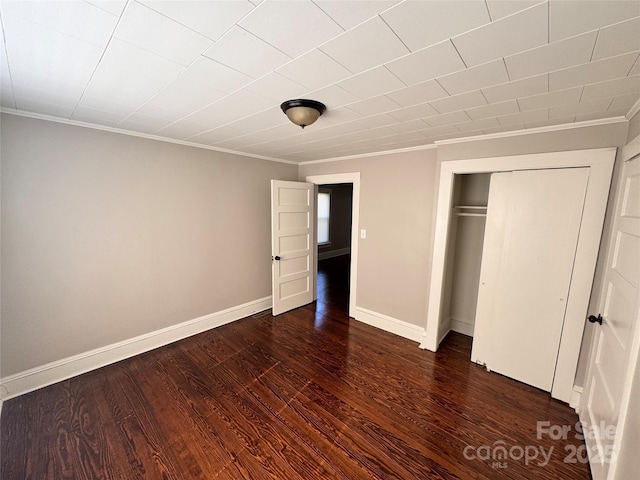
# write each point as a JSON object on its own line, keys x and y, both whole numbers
{"x": 393, "y": 74}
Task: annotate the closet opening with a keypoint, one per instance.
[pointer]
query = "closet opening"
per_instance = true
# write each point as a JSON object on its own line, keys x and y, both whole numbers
{"x": 545, "y": 213}
{"x": 464, "y": 258}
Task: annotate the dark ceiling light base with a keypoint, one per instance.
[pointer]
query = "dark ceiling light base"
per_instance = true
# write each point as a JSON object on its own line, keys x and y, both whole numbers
{"x": 303, "y": 112}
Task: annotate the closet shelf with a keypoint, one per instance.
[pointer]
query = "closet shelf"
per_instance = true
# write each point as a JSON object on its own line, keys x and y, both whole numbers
{"x": 469, "y": 211}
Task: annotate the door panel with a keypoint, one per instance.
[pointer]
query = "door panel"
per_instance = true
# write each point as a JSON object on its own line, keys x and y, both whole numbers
{"x": 292, "y": 244}
{"x": 610, "y": 370}
{"x": 533, "y": 222}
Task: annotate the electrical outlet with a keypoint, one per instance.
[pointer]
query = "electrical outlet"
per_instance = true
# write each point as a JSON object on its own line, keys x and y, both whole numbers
{"x": 363, "y": 233}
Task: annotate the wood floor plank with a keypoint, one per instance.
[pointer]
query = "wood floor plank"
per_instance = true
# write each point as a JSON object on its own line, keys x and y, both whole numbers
{"x": 308, "y": 394}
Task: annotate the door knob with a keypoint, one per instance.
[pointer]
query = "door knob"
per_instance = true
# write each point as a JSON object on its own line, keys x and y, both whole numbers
{"x": 276, "y": 257}
{"x": 594, "y": 319}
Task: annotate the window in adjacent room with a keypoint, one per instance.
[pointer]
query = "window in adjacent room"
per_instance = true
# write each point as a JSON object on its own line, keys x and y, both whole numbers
{"x": 324, "y": 208}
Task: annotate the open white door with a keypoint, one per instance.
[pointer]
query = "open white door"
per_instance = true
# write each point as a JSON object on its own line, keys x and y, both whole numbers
{"x": 293, "y": 244}
{"x": 605, "y": 402}
{"x": 531, "y": 236}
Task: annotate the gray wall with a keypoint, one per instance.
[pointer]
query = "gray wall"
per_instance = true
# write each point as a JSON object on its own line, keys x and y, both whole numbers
{"x": 396, "y": 209}
{"x": 106, "y": 237}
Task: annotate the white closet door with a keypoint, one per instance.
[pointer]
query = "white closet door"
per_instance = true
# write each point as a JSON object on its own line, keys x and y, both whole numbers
{"x": 533, "y": 221}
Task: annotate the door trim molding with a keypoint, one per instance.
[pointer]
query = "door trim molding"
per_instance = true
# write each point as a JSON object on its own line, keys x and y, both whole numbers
{"x": 601, "y": 163}
{"x": 354, "y": 179}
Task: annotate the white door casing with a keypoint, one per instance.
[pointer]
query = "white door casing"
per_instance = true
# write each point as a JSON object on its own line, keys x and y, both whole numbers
{"x": 614, "y": 348}
{"x": 292, "y": 244}
{"x": 532, "y": 227}
{"x": 600, "y": 162}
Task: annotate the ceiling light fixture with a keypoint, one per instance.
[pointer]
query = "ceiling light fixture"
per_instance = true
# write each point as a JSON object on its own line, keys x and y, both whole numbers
{"x": 302, "y": 112}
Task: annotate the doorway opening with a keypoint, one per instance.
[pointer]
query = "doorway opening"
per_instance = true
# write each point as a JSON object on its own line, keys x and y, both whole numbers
{"x": 334, "y": 245}
{"x": 351, "y": 183}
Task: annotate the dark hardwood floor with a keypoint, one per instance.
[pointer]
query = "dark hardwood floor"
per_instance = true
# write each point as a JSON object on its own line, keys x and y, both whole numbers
{"x": 309, "y": 394}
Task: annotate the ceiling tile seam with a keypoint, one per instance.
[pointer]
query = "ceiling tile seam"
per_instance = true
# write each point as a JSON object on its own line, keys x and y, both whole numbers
{"x": 466, "y": 67}
{"x": 593, "y": 50}
{"x": 174, "y": 20}
{"x": 548, "y": 23}
{"x": 346, "y": 105}
{"x": 391, "y": 100}
{"x": 581, "y": 93}
{"x": 442, "y": 86}
{"x": 187, "y": 26}
{"x": 103, "y": 9}
{"x": 332, "y": 58}
{"x": 330, "y": 17}
{"x": 255, "y": 93}
{"x": 486, "y": 5}
{"x": 239, "y": 120}
{"x": 485, "y": 99}
{"x": 183, "y": 72}
{"x": 264, "y": 41}
{"x": 46, "y": 27}
{"x": 210, "y": 104}
{"x": 257, "y": 38}
{"x": 522, "y": 52}
{"x": 613, "y": 99}
{"x": 236, "y": 24}
{"x": 104, "y": 51}
{"x": 347, "y": 122}
{"x": 394, "y": 32}
{"x": 548, "y": 82}
{"x": 384, "y": 65}
{"x": 137, "y": 110}
{"x": 504, "y": 62}
{"x": 334, "y": 137}
{"x": 633, "y": 66}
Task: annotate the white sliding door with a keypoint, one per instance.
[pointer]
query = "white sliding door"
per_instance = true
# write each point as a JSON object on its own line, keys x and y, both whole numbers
{"x": 531, "y": 236}
{"x": 293, "y": 246}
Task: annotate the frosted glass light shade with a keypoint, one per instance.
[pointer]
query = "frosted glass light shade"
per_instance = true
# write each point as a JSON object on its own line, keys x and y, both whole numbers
{"x": 302, "y": 112}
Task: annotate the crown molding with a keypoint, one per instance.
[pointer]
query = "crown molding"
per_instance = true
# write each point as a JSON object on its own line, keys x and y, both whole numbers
{"x": 532, "y": 131}
{"x": 131, "y": 133}
{"x": 633, "y": 110}
{"x": 370, "y": 154}
{"x": 514, "y": 133}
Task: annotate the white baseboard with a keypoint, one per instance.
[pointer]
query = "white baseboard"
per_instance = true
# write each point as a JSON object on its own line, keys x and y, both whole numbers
{"x": 433, "y": 348}
{"x": 333, "y": 253}
{"x": 38, "y": 377}
{"x": 390, "y": 324}
{"x": 576, "y": 394}
{"x": 462, "y": 327}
